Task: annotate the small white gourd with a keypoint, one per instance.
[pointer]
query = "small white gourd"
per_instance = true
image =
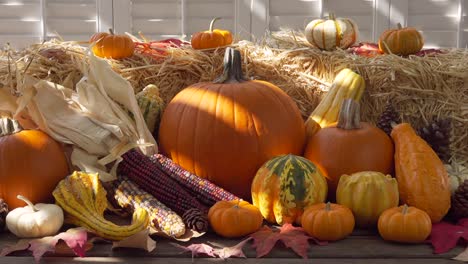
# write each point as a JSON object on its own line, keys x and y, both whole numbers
{"x": 38, "y": 220}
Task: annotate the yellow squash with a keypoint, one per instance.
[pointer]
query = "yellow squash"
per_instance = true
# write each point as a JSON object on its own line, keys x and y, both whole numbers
{"x": 347, "y": 84}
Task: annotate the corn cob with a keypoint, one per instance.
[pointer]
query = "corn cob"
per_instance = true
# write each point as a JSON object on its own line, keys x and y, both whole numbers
{"x": 151, "y": 106}
{"x": 131, "y": 197}
{"x": 142, "y": 171}
{"x": 205, "y": 191}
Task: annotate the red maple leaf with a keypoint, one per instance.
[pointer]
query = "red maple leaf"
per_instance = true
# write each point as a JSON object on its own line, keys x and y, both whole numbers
{"x": 292, "y": 237}
{"x": 445, "y": 236}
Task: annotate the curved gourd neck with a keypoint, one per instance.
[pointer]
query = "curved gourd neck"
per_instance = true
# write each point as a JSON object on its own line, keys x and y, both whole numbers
{"x": 232, "y": 72}
{"x": 9, "y": 126}
{"x": 349, "y": 117}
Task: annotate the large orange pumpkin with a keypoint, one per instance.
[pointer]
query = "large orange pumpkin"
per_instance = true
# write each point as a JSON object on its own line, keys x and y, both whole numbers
{"x": 224, "y": 131}
{"x": 349, "y": 146}
{"x": 31, "y": 164}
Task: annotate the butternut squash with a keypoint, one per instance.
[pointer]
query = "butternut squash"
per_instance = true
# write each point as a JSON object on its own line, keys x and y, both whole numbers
{"x": 347, "y": 84}
{"x": 422, "y": 178}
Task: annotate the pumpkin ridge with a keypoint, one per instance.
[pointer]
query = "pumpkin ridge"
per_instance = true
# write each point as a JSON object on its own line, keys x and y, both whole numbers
{"x": 338, "y": 33}
{"x": 323, "y": 35}
{"x": 353, "y": 28}
{"x": 195, "y": 130}
{"x": 313, "y": 28}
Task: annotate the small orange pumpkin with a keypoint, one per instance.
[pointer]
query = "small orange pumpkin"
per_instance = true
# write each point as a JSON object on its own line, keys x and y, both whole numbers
{"x": 401, "y": 41}
{"x": 109, "y": 45}
{"x": 234, "y": 218}
{"x": 404, "y": 224}
{"x": 328, "y": 222}
{"x": 31, "y": 164}
{"x": 349, "y": 146}
{"x": 212, "y": 38}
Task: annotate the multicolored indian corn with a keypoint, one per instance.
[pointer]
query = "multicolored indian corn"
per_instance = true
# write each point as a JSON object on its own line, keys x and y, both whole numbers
{"x": 128, "y": 195}
{"x": 205, "y": 191}
{"x": 146, "y": 174}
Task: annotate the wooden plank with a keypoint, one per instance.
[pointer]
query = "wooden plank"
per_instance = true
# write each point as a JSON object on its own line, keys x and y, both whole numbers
{"x": 28, "y": 260}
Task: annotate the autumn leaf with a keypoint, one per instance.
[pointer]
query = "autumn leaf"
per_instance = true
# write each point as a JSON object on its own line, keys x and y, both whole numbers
{"x": 234, "y": 251}
{"x": 140, "y": 240}
{"x": 292, "y": 237}
{"x": 197, "y": 249}
{"x": 75, "y": 238}
{"x": 445, "y": 236}
{"x": 462, "y": 256}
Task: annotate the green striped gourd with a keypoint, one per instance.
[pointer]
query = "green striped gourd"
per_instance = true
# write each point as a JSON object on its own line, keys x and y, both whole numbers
{"x": 151, "y": 106}
{"x": 285, "y": 185}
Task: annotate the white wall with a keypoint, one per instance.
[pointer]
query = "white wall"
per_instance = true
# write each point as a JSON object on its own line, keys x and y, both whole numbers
{"x": 443, "y": 22}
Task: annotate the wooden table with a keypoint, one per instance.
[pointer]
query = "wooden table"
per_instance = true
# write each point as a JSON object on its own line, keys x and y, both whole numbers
{"x": 362, "y": 247}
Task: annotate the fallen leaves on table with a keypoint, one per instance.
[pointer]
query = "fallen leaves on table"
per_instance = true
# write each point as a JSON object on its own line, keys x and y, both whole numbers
{"x": 462, "y": 256}
{"x": 75, "y": 238}
{"x": 234, "y": 251}
{"x": 140, "y": 240}
{"x": 445, "y": 236}
{"x": 215, "y": 250}
{"x": 292, "y": 237}
{"x": 197, "y": 249}
{"x": 189, "y": 234}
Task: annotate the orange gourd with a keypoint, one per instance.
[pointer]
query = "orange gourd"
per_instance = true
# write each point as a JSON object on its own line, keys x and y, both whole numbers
{"x": 31, "y": 164}
{"x": 226, "y": 130}
{"x": 422, "y": 178}
{"x": 401, "y": 41}
{"x": 109, "y": 45}
{"x": 212, "y": 38}
{"x": 404, "y": 224}
{"x": 328, "y": 222}
{"x": 234, "y": 218}
{"x": 349, "y": 146}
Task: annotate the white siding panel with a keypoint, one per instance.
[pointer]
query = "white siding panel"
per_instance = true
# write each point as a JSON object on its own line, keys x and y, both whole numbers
{"x": 432, "y": 22}
{"x": 156, "y": 9}
{"x": 349, "y": 7}
{"x": 434, "y": 7}
{"x": 201, "y": 24}
{"x": 295, "y": 8}
{"x": 21, "y": 9}
{"x": 156, "y": 26}
{"x": 442, "y": 39}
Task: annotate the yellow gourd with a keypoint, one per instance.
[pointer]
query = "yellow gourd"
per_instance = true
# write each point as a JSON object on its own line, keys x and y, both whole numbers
{"x": 347, "y": 84}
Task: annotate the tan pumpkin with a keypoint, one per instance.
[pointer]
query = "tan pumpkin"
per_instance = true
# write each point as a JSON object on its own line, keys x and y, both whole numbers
{"x": 404, "y": 224}
{"x": 31, "y": 164}
{"x": 234, "y": 218}
{"x": 401, "y": 41}
{"x": 367, "y": 194}
{"x": 109, "y": 45}
{"x": 284, "y": 186}
{"x": 328, "y": 222}
{"x": 332, "y": 33}
{"x": 422, "y": 178}
{"x": 225, "y": 130}
{"x": 349, "y": 146}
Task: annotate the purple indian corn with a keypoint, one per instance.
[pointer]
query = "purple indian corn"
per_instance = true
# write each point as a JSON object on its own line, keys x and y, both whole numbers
{"x": 205, "y": 191}
{"x": 142, "y": 171}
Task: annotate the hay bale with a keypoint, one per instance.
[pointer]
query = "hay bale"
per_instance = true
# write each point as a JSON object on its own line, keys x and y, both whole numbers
{"x": 421, "y": 88}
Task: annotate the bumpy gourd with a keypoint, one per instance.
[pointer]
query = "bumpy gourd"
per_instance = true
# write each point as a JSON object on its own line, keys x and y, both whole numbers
{"x": 285, "y": 185}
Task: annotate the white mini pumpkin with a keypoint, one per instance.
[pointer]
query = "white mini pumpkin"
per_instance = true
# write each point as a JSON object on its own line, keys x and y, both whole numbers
{"x": 332, "y": 33}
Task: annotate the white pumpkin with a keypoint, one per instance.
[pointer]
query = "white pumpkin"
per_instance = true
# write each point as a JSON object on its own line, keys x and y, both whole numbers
{"x": 328, "y": 34}
{"x": 38, "y": 220}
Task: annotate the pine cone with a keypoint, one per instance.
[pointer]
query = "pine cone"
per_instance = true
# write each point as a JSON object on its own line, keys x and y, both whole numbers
{"x": 3, "y": 213}
{"x": 438, "y": 135}
{"x": 196, "y": 219}
{"x": 387, "y": 117}
{"x": 459, "y": 207}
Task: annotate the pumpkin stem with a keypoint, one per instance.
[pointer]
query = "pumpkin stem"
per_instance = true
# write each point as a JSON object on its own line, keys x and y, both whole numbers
{"x": 328, "y": 206}
{"x": 26, "y": 200}
{"x": 232, "y": 72}
{"x": 331, "y": 16}
{"x": 399, "y": 26}
{"x": 212, "y": 23}
{"x": 111, "y": 31}
{"x": 405, "y": 209}
{"x": 349, "y": 115}
{"x": 9, "y": 126}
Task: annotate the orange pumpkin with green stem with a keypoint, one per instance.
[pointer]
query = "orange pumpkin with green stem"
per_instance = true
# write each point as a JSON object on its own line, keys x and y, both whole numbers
{"x": 328, "y": 222}
{"x": 31, "y": 164}
{"x": 212, "y": 38}
{"x": 234, "y": 218}
{"x": 109, "y": 45}
{"x": 349, "y": 146}
{"x": 226, "y": 130}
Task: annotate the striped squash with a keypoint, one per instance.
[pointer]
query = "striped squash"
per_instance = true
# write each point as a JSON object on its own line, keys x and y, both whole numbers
{"x": 285, "y": 185}
{"x": 332, "y": 33}
{"x": 151, "y": 106}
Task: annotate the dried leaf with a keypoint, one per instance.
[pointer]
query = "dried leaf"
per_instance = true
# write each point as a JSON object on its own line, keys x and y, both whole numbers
{"x": 140, "y": 240}
{"x": 197, "y": 249}
{"x": 292, "y": 237}
{"x": 75, "y": 238}
{"x": 189, "y": 234}
{"x": 445, "y": 236}
{"x": 462, "y": 256}
{"x": 234, "y": 251}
